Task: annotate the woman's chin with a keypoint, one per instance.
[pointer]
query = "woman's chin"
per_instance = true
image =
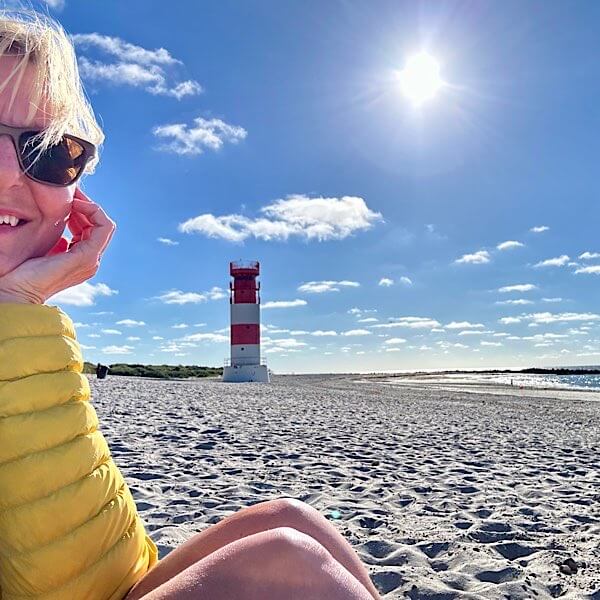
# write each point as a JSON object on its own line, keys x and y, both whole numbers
{"x": 8, "y": 264}
{"x": 5, "y": 267}
{"x": 30, "y": 244}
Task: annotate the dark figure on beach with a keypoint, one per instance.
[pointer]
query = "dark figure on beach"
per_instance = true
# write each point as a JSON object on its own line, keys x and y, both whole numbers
{"x": 70, "y": 529}
{"x": 101, "y": 371}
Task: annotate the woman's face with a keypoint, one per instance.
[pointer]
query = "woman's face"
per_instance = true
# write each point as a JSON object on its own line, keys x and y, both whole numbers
{"x": 41, "y": 205}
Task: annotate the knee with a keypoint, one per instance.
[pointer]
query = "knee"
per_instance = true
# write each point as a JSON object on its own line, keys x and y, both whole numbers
{"x": 295, "y": 548}
{"x": 291, "y": 511}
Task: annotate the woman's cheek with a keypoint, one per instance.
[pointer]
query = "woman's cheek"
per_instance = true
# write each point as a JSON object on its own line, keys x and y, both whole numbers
{"x": 48, "y": 238}
{"x": 55, "y": 205}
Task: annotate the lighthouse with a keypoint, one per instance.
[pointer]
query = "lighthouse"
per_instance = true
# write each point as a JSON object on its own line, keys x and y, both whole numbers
{"x": 244, "y": 303}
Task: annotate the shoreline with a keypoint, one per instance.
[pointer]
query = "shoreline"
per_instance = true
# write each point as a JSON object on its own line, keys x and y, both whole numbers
{"x": 441, "y": 382}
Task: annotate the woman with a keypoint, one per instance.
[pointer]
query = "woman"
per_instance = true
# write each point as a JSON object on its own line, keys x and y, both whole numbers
{"x": 69, "y": 528}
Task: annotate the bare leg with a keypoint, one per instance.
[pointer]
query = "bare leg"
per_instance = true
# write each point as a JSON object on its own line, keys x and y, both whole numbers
{"x": 278, "y": 564}
{"x": 283, "y": 512}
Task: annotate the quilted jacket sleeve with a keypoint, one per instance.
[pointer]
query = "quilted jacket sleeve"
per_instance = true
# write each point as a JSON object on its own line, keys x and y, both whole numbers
{"x": 69, "y": 528}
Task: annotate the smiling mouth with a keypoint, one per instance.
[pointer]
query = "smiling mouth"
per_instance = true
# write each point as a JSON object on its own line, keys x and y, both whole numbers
{"x": 5, "y": 226}
{"x": 21, "y": 222}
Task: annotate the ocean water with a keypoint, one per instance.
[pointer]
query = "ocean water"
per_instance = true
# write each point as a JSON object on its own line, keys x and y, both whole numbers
{"x": 571, "y": 382}
{"x": 580, "y": 382}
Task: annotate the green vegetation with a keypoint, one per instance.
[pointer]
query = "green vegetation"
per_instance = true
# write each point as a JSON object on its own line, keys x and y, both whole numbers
{"x": 160, "y": 371}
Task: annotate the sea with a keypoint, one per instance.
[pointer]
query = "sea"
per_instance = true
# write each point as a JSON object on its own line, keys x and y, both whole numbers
{"x": 572, "y": 382}
{"x": 525, "y": 380}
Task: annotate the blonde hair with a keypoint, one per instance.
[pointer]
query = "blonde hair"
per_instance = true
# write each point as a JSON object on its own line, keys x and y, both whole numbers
{"x": 40, "y": 41}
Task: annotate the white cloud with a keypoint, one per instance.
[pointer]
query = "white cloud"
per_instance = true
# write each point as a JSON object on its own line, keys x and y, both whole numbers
{"x": 319, "y": 287}
{"x": 289, "y": 343}
{"x": 131, "y": 323}
{"x": 593, "y": 270}
{"x": 205, "y": 337}
{"x": 464, "y": 325}
{"x": 474, "y": 332}
{"x": 179, "y": 297}
{"x": 121, "y": 49}
{"x": 410, "y": 323}
{"x": 484, "y": 343}
{"x": 478, "y": 258}
{"x": 359, "y": 311}
{"x": 167, "y": 241}
{"x": 559, "y": 261}
{"x": 117, "y": 349}
{"x": 368, "y": 320}
{"x": 406, "y": 280}
{"x": 547, "y": 317}
{"x": 509, "y": 320}
{"x": 57, "y": 5}
{"x": 296, "y": 216}
{"x": 509, "y": 244}
{"x": 133, "y": 65}
{"x": 392, "y": 349}
{"x": 321, "y": 333}
{"x": 284, "y": 303}
{"x": 273, "y": 350}
{"x": 517, "y": 302}
{"x": 112, "y": 331}
{"x": 83, "y": 294}
{"x": 357, "y": 332}
{"x": 216, "y": 293}
{"x": 157, "y": 337}
{"x": 195, "y": 139}
{"x": 519, "y": 287}
{"x": 552, "y": 300}
{"x": 539, "y": 229}
{"x": 180, "y": 326}
{"x": 395, "y": 340}
{"x": 385, "y": 282}
{"x": 589, "y": 255}
{"x": 133, "y": 338}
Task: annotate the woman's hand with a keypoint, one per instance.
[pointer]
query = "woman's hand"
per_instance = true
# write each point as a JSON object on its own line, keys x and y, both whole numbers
{"x": 67, "y": 264}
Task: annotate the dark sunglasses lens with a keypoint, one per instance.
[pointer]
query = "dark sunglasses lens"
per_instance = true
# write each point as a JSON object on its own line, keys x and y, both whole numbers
{"x": 60, "y": 164}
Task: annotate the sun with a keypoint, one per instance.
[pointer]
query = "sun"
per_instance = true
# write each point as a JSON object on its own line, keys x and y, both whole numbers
{"x": 420, "y": 79}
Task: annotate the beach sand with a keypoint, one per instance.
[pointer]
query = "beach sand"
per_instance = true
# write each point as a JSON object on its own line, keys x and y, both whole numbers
{"x": 444, "y": 493}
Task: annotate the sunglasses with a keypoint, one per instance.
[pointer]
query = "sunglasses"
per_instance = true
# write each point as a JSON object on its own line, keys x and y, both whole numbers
{"x": 59, "y": 165}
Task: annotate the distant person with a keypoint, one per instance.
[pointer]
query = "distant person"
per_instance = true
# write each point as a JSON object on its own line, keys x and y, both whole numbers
{"x": 101, "y": 371}
{"x": 79, "y": 536}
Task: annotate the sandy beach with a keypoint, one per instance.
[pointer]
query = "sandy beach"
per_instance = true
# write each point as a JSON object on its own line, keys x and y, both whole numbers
{"x": 444, "y": 492}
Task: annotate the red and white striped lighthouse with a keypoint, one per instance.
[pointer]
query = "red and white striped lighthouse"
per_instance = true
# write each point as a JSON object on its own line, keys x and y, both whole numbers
{"x": 245, "y": 363}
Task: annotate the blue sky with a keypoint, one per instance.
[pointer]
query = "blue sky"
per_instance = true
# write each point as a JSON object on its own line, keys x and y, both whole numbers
{"x": 278, "y": 131}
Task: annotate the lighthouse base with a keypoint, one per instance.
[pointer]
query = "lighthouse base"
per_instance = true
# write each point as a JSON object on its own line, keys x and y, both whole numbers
{"x": 246, "y": 373}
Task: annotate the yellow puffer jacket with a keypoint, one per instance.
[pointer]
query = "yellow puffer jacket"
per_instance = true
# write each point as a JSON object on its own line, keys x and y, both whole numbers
{"x": 69, "y": 528}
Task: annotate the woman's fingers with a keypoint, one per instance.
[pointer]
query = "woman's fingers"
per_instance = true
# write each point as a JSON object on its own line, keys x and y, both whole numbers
{"x": 77, "y": 224}
{"x": 101, "y": 228}
{"x": 59, "y": 248}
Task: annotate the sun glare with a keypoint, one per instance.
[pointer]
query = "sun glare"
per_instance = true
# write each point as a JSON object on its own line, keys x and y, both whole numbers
{"x": 420, "y": 79}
